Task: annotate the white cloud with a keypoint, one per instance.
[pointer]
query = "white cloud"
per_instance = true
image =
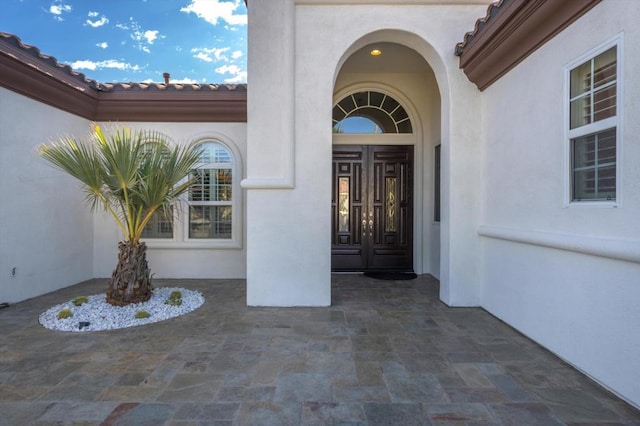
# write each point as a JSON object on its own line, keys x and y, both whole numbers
{"x": 100, "y": 22}
{"x": 150, "y": 36}
{"x": 237, "y": 54}
{"x": 237, "y": 74}
{"x": 110, "y": 63}
{"x": 103, "y": 45}
{"x": 203, "y": 56}
{"x": 213, "y": 10}
{"x": 183, "y": 81}
{"x": 57, "y": 9}
{"x": 142, "y": 37}
{"x": 240, "y": 78}
{"x": 211, "y": 54}
{"x": 92, "y": 14}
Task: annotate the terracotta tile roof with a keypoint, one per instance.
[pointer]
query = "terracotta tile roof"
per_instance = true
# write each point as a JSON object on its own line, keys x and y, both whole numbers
{"x": 25, "y": 70}
{"x": 492, "y": 11}
{"x": 173, "y": 87}
{"x": 12, "y": 45}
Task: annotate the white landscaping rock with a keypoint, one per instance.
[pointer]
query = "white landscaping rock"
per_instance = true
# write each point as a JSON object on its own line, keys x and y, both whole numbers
{"x": 102, "y": 316}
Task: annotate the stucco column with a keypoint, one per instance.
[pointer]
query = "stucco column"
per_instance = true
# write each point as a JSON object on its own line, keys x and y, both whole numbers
{"x": 286, "y": 259}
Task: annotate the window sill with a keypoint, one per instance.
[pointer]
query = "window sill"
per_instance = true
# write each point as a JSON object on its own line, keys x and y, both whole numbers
{"x": 593, "y": 204}
{"x": 198, "y": 245}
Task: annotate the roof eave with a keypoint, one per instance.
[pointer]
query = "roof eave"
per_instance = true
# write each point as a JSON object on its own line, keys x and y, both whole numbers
{"x": 24, "y": 70}
{"x": 511, "y": 31}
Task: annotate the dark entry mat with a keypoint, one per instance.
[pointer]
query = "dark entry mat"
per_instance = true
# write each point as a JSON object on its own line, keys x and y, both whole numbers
{"x": 391, "y": 275}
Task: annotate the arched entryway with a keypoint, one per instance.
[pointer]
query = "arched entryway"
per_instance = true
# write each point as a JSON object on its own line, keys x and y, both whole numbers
{"x": 386, "y": 126}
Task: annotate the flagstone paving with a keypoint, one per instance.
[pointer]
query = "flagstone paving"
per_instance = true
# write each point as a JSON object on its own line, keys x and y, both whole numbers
{"x": 384, "y": 353}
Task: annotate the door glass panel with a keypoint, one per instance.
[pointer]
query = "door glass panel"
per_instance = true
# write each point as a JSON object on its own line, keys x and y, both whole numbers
{"x": 343, "y": 204}
{"x": 390, "y": 204}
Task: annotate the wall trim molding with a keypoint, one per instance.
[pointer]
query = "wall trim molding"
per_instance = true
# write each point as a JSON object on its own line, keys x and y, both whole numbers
{"x": 612, "y": 248}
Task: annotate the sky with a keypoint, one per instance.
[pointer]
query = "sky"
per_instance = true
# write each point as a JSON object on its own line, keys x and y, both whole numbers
{"x": 196, "y": 41}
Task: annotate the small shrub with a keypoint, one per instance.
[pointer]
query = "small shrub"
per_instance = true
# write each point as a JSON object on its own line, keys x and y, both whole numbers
{"x": 173, "y": 302}
{"x": 64, "y": 314}
{"x": 175, "y": 299}
{"x": 80, "y": 300}
{"x": 142, "y": 314}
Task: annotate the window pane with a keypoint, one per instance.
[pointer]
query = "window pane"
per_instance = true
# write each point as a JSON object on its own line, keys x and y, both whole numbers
{"x": 211, "y": 185}
{"x": 210, "y": 222}
{"x": 594, "y": 166}
{"x": 160, "y": 226}
{"x": 223, "y": 184}
{"x": 604, "y": 103}
{"x": 390, "y": 205}
{"x": 214, "y": 152}
{"x": 604, "y": 68}
{"x": 343, "y": 204}
{"x": 584, "y": 185}
{"x": 584, "y": 152}
{"x": 580, "y": 111}
{"x": 581, "y": 79}
{"x": 593, "y": 90}
{"x": 361, "y": 98}
{"x": 376, "y": 98}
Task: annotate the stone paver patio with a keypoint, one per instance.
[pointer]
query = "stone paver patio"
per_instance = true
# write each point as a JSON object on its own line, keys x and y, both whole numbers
{"x": 386, "y": 352}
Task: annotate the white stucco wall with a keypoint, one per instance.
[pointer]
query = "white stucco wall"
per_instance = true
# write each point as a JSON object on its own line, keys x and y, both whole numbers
{"x": 45, "y": 226}
{"x": 179, "y": 259}
{"x": 296, "y": 221}
{"x": 583, "y": 307}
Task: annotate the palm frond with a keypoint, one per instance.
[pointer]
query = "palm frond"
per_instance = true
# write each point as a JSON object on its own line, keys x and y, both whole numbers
{"x": 132, "y": 174}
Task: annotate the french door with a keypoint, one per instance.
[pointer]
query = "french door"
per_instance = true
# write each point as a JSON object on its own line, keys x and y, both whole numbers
{"x": 372, "y": 208}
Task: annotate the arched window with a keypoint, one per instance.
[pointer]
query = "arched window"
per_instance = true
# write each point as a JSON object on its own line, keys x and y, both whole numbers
{"x": 209, "y": 214}
{"x": 370, "y": 112}
{"x": 210, "y": 197}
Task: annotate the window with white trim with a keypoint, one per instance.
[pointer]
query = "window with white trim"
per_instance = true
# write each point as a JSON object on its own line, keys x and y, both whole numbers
{"x": 593, "y": 127}
{"x": 208, "y": 214}
{"x": 211, "y": 195}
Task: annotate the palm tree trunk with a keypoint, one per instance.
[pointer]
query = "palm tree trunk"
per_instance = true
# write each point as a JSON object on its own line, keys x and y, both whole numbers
{"x": 131, "y": 280}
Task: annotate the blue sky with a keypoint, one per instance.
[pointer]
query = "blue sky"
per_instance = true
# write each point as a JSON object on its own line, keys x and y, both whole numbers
{"x": 196, "y": 41}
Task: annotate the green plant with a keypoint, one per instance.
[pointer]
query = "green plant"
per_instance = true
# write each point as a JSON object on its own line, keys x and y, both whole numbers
{"x": 80, "y": 300}
{"x": 175, "y": 299}
{"x": 142, "y": 314}
{"x": 65, "y": 313}
{"x": 132, "y": 175}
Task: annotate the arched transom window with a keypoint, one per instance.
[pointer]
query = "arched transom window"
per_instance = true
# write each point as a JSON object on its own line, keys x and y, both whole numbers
{"x": 370, "y": 112}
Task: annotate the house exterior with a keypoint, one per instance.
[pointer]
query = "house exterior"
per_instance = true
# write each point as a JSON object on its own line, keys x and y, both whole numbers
{"x": 503, "y": 161}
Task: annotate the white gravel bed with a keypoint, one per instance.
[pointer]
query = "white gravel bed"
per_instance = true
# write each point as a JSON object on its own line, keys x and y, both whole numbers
{"x": 102, "y": 316}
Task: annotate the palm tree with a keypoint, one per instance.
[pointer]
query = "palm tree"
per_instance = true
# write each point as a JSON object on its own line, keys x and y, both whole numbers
{"x": 132, "y": 175}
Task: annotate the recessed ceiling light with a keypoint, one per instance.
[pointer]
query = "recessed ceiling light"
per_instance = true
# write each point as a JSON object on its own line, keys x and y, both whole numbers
{"x": 376, "y": 52}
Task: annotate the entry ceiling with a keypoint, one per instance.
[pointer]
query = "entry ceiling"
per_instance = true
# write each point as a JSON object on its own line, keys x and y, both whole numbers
{"x": 395, "y": 58}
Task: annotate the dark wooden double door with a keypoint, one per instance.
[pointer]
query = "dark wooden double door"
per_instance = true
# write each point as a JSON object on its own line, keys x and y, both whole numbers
{"x": 372, "y": 208}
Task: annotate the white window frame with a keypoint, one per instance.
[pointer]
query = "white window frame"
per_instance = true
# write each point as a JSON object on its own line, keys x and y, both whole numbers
{"x": 181, "y": 238}
{"x": 594, "y": 127}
